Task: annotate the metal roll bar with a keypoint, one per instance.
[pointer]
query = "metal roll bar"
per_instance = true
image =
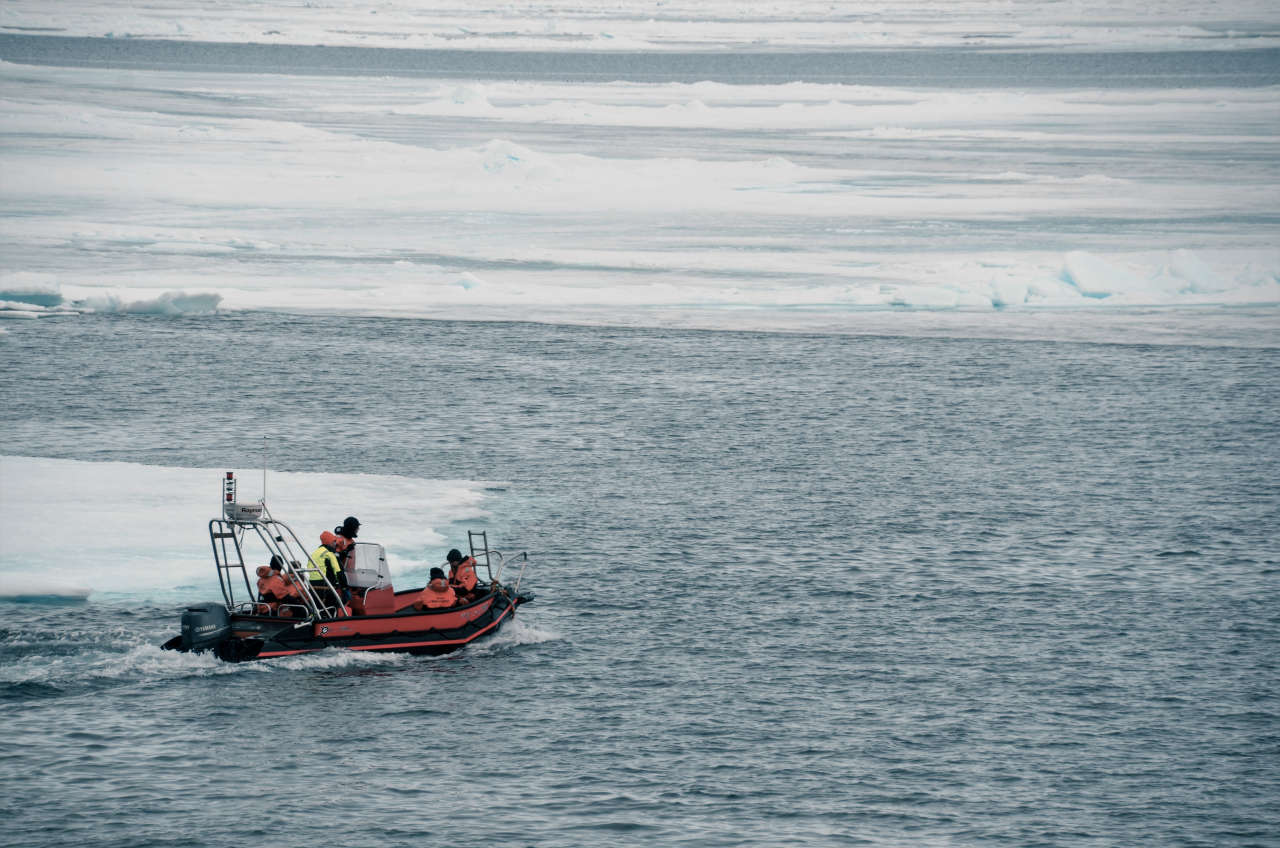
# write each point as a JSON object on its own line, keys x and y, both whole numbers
{"x": 279, "y": 540}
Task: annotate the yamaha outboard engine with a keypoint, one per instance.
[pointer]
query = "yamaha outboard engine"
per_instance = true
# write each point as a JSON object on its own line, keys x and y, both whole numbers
{"x": 204, "y": 626}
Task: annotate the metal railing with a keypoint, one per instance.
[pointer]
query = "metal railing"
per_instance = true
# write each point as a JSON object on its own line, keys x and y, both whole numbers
{"x": 522, "y": 558}
{"x": 280, "y": 541}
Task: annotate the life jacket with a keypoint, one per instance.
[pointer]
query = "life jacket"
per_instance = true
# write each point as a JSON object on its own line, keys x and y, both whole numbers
{"x": 464, "y": 574}
{"x": 328, "y": 563}
{"x": 271, "y": 588}
{"x": 292, "y": 595}
{"x": 291, "y": 590}
{"x": 344, "y": 549}
{"x": 438, "y": 594}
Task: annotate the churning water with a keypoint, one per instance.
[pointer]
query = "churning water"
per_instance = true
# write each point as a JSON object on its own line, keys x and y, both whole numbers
{"x": 792, "y": 590}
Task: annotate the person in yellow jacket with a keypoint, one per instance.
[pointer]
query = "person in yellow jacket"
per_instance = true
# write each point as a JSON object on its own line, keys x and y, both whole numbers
{"x": 325, "y": 558}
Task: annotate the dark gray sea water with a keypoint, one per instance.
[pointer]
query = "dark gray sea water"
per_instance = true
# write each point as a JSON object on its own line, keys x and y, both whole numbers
{"x": 807, "y": 590}
{"x": 972, "y": 68}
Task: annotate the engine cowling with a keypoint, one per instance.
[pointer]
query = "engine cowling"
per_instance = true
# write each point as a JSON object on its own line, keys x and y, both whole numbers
{"x": 204, "y": 626}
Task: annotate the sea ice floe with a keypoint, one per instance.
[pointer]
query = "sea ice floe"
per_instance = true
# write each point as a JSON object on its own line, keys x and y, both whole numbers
{"x": 168, "y": 303}
{"x": 68, "y": 507}
{"x": 34, "y": 586}
{"x": 1094, "y": 276}
{"x": 427, "y": 197}
{"x": 668, "y": 25}
{"x": 26, "y": 289}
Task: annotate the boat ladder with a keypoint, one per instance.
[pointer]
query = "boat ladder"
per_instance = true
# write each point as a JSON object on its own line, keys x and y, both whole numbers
{"x": 480, "y": 554}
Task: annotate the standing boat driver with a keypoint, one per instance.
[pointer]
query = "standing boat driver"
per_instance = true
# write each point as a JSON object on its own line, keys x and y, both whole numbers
{"x": 348, "y": 529}
{"x": 346, "y": 533}
{"x": 462, "y": 575}
{"x": 351, "y": 596}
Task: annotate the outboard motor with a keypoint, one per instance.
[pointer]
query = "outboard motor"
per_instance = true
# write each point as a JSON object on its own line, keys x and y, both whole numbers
{"x": 204, "y": 626}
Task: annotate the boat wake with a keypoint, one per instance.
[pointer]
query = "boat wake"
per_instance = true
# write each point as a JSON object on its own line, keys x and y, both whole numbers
{"x": 519, "y": 632}
{"x": 60, "y": 663}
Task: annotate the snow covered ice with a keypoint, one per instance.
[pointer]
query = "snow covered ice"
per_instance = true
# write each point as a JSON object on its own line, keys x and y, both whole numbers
{"x": 704, "y": 203}
{"x": 669, "y": 24}
{"x": 68, "y": 508}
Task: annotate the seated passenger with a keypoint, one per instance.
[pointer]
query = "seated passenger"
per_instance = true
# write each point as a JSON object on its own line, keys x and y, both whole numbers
{"x": 437, "y": 595}
{"x": 292, "y": 596}
{"x": 286, "y": 593}
{"x": 462, "y": 574}
{"x": 271, "y": 589}
{"x": 264, "y": 607}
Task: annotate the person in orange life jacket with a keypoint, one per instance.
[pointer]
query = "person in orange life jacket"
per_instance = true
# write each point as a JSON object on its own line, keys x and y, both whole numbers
{"x": 292, "y": 594}
{"x": 462, "y": 574}
{"x": 437, "y": 595}
{"x": 271, "y": 589}
{"x": 286, "y": 592}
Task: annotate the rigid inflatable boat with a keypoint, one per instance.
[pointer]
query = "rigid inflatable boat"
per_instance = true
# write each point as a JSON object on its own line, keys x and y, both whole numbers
{"x": 244, "y": 628}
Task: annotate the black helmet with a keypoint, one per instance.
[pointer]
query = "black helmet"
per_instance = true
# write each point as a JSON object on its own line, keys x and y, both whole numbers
{"x": 454, "y": 555}
{"x": 277, "y": 563}
{"x": 437, "y": 573}
{"x": 350, "y": 527}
